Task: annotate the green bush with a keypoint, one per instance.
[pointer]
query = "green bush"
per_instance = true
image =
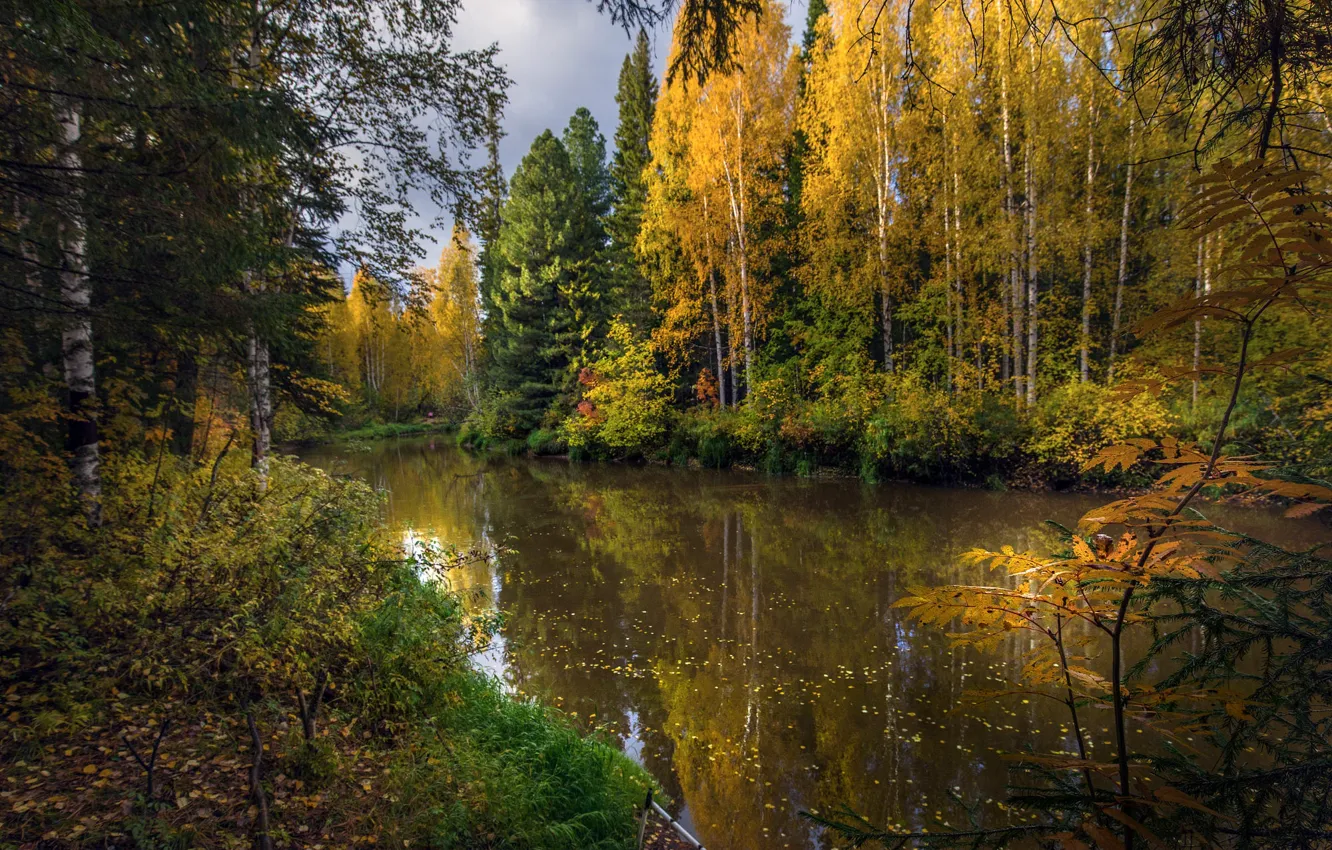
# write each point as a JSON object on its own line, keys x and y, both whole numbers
{"x": 543, "y": 442}
{"x": 625, "y": 406}
{"x": 525, "y": 777}
{"x": 206, "y": 600}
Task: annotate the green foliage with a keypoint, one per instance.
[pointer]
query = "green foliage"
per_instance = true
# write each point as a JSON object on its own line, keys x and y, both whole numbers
{"x": 542, "y": 442}
{"x": 525, "y": 777}
{"x": 203, "y": 598}
{"x": 1075, "y": 421}
{"x": 637, "y": 100}
{"x": 626, "y": 402}
{"x": 547, "y": 294}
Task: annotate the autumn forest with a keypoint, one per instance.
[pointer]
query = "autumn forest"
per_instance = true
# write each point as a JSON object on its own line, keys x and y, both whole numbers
{"x": 968, "y": 357}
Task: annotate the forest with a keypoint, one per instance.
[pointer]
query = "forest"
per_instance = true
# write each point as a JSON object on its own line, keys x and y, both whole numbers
{"x": 919, "y": 261}
{"x": 1009, "y": 243}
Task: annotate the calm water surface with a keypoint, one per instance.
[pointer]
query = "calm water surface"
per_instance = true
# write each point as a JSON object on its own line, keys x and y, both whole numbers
{"x": 735, "y": 634}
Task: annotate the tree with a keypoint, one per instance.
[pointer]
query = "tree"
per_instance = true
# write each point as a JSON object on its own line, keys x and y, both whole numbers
{"x": 637, "y": 99}
{"x": 738, "y": 128}
{"x": 546, "y": 299}
{"x": 456, "y": 313}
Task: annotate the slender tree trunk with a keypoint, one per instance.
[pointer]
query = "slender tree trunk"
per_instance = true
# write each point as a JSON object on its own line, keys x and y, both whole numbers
{"x": 1202, "y": 286}
{"x": 959, "y": 301}
{"x": 258, "y": 377}
{"x": 1033, "y": 266}
{"x": 1123, "y": 255}
{"x": 948, "y": 278}
{"x": 717, "y": 338}
{"x": 1084, "y": 347}
{"x": 716, "y": 317}
{"x": 735, "y": 187}
{"x": 730, "y": 342}
{"x": 883, "y": 201}
{"x": 1014, "y": 272}
{"x": 76, "y": 339}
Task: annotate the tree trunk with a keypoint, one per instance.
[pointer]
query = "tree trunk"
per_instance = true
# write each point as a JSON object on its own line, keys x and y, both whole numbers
{"x": 1033, "y": 266}
{"x": 1123, "y": 257}
{"x": 883, "y": 200}
{"x": 959, "y": 300}
{"x": 717, "y": 339}
{"x": 948, "y": 277}
{"x": 1084, "y": 347}
{"x": 1014, "y": 273}
{"x": 76, "y": 339}
{"x": 258, "y": 376}
{"x": 1202, "y": 286}
{"x": 735, "y": 187}
{"x": 716, "y": 316}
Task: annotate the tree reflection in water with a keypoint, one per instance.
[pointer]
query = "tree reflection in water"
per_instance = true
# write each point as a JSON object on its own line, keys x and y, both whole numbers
{"x": 735, "y": 633}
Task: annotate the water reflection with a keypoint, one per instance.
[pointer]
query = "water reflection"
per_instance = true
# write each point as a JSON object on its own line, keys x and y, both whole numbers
{"x": 736, "y": 633}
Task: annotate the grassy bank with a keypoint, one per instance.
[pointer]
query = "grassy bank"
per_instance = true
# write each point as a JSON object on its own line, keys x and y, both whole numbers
{"x": 215, "y": 665}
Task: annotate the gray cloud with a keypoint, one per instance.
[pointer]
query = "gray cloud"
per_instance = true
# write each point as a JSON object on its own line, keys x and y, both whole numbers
{"x": 560, "y": 54}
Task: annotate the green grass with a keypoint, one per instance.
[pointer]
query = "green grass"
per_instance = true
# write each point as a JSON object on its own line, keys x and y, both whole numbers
{"x": 510, "y": 773}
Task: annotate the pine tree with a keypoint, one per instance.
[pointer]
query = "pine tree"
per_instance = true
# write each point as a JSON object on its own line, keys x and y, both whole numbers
{"x": 637, "y": 99}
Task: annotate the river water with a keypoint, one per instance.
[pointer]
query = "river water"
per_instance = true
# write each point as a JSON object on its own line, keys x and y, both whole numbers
{"x": 734, "y": 633}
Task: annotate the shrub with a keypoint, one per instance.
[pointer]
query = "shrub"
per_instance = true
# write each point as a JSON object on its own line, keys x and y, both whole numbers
{"x": 208, "y": 602}
{"x": 626, "y": 402}
{"x": 1075, "y": 421}
{"x": 543, "y": 442}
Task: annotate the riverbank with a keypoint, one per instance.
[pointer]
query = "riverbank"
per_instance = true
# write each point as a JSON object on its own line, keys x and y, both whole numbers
{"x": 904, "y": 431}
{"x": 220, "y": 666}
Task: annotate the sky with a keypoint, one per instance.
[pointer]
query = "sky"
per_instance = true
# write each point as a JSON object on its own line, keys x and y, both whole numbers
{"x": 560, "y": 54}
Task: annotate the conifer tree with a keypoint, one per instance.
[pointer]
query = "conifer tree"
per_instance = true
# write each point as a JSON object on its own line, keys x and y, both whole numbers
{"x": 637, "y": 99}
{"x": 586, "y": 147}
{"x": 545, "y": 297}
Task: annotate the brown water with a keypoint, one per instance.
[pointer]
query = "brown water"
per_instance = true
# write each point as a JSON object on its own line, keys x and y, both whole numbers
{"x": 735, "y": 633}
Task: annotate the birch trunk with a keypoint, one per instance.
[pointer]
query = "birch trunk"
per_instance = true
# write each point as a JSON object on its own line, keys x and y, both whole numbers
{"x": 716, "y": 317}
{"x": 1014, "y": 273}
{"x": 76, "y": 338}
{"x": 1202, "y": 286}
{"x": 735, "y": 188}
{"x": 883, "y": 209}
{"x": 1123, "y": 256}
{"x": 948, "y": 295}
{"x": 1084, "y": 348}
{"x": 959, "y": 300}
{"x": 1033, "y": 266}
{"x": 717, "y": 339}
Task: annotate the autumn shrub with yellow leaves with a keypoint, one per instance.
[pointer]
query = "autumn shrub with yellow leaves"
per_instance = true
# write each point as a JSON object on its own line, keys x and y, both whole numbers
{"x": 625, "y": 403}
{"x": 1076, "y": 421}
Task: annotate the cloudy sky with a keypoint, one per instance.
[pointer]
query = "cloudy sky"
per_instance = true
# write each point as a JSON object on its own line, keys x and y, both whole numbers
{"x": 560, "y": 54}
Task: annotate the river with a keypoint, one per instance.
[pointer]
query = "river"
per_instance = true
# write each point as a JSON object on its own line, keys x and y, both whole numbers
{"x": 734, "y": 633}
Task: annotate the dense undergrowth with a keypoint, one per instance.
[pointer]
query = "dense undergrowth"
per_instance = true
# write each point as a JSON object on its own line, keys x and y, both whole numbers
{"x": 143, "y": 659}
{"x": 876, "y": 426}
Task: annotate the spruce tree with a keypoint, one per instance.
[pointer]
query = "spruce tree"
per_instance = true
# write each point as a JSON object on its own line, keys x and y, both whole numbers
{"x": 586, "y": 147}
{"x": 637, "y": 99}
{"x": 545, "y": 296}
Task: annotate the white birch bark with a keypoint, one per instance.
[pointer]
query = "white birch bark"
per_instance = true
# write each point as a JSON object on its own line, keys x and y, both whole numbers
{"x": 1084, "y": 345}
{"x": 1123, "y": 256}
{"x": 76, "y": 338}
